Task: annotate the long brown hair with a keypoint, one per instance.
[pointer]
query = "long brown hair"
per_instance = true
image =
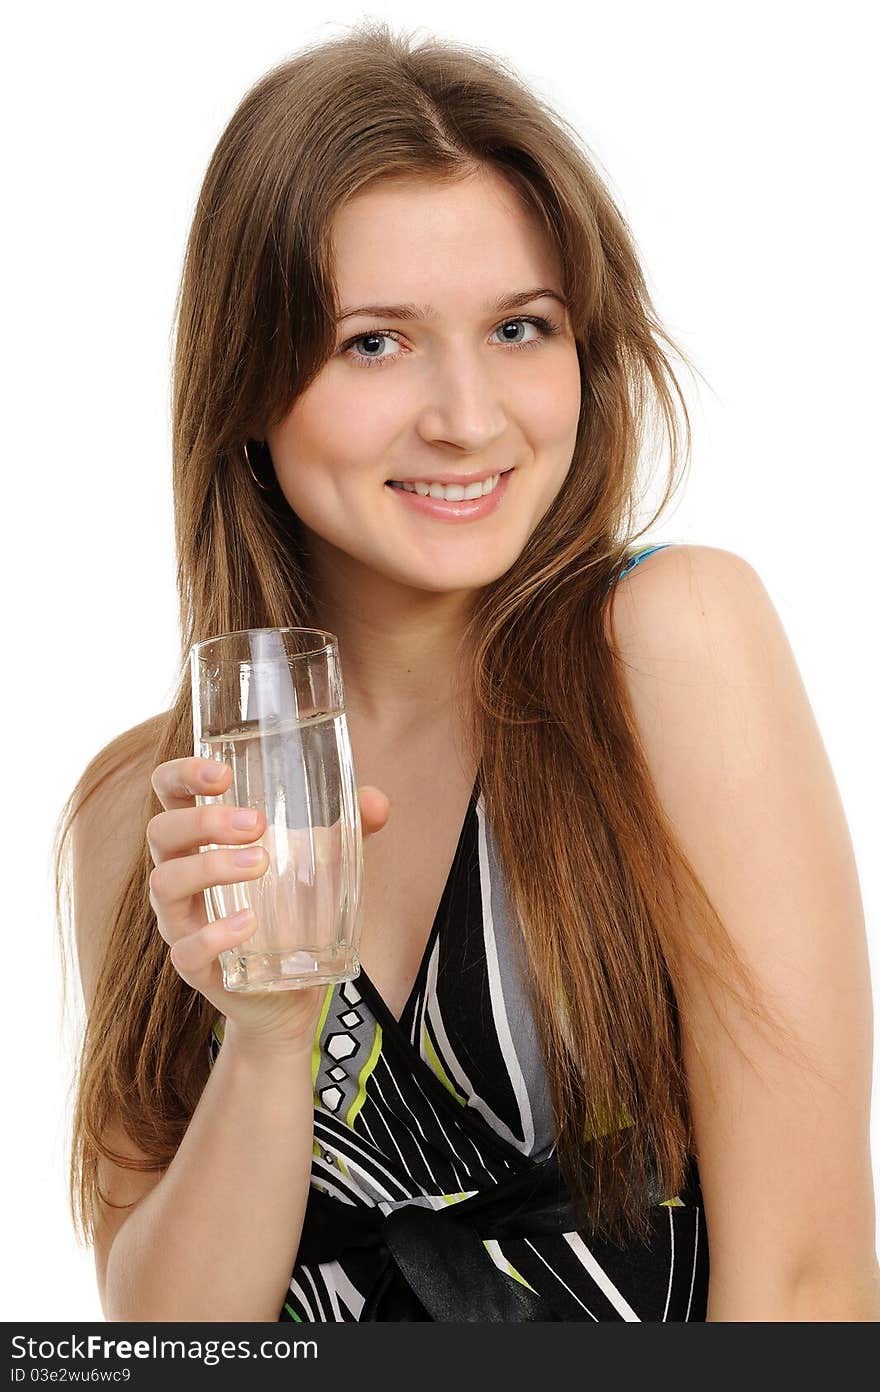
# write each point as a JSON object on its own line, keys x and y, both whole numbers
{"x": 617, "y": 908}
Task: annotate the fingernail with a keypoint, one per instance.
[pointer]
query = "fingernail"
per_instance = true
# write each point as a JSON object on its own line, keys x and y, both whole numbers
{"x": 242, "y": 920}
{"x": 214, "y": 774}
{"x": 252, "y": 855}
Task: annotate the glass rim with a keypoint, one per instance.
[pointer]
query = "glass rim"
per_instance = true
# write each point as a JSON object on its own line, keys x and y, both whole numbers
{"x": 197, "y": 652}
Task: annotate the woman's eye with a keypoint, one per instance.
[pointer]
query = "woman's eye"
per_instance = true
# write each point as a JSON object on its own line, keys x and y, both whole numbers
{"x": 377, "y": 335}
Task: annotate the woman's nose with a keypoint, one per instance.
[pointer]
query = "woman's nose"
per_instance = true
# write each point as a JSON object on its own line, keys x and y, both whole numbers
{"x": 462, "y": 403}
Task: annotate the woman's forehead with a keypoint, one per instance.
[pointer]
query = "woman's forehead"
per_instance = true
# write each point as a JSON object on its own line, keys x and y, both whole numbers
{"x": 421, "y": 253}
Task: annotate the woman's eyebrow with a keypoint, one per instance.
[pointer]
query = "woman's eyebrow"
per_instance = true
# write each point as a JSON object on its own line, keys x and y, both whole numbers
{"x": 413, "y": 311}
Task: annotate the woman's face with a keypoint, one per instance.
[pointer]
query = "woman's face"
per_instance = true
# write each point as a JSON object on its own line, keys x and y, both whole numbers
{"x": 461, "y": 389}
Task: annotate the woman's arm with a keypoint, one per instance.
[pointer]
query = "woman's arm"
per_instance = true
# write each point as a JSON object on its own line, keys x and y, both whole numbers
{"x": 215, "y": 1236}
{"x": 741, "y": 770}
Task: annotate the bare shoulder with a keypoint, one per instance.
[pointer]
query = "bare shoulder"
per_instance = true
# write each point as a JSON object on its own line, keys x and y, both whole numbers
{"x": 741, "y": 771}
{"x": 690, "y": 623}
{"x": 106, "y": 835}
{"x": 681, "y": 585}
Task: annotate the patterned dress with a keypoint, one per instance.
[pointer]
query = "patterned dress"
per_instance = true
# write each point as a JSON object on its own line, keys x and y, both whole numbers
{"x": 447, "y": 1107}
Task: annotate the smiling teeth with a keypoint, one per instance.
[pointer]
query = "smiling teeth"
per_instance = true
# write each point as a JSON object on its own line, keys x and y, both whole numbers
{"x": 450, "y": 492}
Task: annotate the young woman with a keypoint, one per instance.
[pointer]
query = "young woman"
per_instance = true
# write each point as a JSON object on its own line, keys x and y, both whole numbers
{"x": 609, "y": 1053}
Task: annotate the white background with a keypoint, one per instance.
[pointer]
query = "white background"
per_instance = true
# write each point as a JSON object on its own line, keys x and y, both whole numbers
{"x": 739, "y": 140}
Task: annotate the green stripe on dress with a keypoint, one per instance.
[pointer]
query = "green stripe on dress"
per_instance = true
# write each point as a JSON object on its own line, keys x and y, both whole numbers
{"x": 438, "y": 1068}
{"x": 363, "y": 1076}
{"x": 316, "y": 1050}
{"x": 509, "y": 1269}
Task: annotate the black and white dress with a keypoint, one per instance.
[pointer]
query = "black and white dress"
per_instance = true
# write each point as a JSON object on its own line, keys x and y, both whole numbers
{"x": 432, "y": 1133}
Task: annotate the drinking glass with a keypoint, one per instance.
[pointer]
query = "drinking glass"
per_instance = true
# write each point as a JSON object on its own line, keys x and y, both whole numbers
{"x": 269, "y": 702}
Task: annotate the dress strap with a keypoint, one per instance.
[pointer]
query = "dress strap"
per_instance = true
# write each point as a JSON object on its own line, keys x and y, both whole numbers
{"x": 640, "y": 555}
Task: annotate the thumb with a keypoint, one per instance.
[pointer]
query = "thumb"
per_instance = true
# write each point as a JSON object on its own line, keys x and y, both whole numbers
{"x": 374, "y": 806}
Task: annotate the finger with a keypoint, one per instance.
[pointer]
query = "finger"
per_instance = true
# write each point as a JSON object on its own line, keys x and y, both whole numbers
{"x": 177, "y": 781}
{"x": 193, "y": 954}
{"x": 173, "y": 883}
{"x": 375, "y": 806}
{"x": 182, "y": 830}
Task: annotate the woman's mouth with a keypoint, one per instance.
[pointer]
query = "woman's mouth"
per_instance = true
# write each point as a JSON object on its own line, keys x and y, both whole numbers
{"x": 452, "y": 501}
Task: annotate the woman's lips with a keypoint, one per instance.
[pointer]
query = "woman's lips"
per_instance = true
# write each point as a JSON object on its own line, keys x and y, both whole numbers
{"x": 468, "y": 509}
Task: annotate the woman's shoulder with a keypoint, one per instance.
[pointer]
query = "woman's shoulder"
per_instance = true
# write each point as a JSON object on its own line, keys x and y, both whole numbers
{"x": 116, "y": 762}
{"x": 681, "y": 622}
{"x": 692, "y": 627}
{"x": 662, "y": 610}
{"x": 116, "y": 782}
{"x": 676, "y": 553}
{"x": 111, "y": 803}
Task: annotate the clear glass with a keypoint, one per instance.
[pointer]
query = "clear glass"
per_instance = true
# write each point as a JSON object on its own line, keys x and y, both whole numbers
{"x": 269, "y": 702}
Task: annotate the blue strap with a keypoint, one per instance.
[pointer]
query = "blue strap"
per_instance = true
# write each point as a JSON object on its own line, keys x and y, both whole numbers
{"x": 639, "y": 556}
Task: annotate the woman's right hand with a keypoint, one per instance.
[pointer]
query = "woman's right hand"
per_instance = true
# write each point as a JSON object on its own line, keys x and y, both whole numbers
{"x": 286, "y": 1019}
